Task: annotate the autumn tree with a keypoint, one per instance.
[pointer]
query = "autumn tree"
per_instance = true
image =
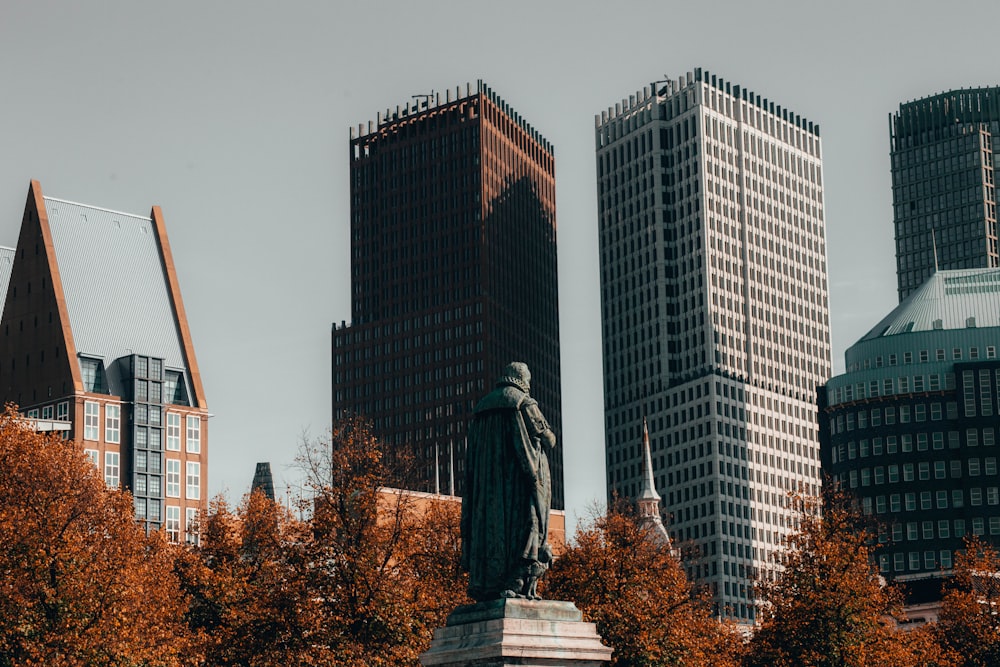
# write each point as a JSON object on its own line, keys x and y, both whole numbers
{"x": 828, "y": 606}
{"x": 383, "y": 566}
{"x": 969, "y": 624}
{"x": 635, "y": 590}
{"x": 80, "y": 582}
{"x": 248, "y": 603}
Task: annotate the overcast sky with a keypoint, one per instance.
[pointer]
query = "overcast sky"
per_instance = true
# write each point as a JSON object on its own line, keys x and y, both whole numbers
{"x": 234, "y": 116}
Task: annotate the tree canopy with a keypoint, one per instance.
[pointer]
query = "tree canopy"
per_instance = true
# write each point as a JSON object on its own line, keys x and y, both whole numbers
{"x": 80, "y": 582}
{"x": 633, "y": 587}
{"x": 828, "y": 606}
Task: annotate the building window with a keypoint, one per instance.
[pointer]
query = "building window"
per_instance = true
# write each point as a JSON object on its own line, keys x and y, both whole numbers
{"x": 47, "y": 412}
{"x": 193, "y": 480}
{"x": 140, "y": 508}
{"x": 193, "y": 439}
{"x": 112, "y": 470}
{"x": 94, "y": 457}
{"x": 173, "y": 523}
{"x": 91, "y": 420}
{"x": 192, "y": 530}
{"x": 112, "y": 423}
{"x": 173, "y": 432}
{"x": 173, "y": 478}
{"x": 92, "y": 375}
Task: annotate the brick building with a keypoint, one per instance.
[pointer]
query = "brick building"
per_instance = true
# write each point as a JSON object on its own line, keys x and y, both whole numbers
{"x": 94, "y": 340}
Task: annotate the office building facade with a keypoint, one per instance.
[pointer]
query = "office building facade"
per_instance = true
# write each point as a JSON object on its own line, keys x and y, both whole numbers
{"x": 911, "y": 427}
{"x": 453, "y": 275}
{"x": 94, "y": 342}
{"x": 943, "y": 149}
{"x": 714, "y": 316}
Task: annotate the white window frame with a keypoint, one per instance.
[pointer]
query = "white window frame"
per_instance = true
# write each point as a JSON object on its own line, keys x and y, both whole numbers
{"x": 91, "y": 420}
{"x": 62, "y": 411}
{"x": 94, "y": 456}
{"x": 47, "y": 412}
{"x": 192, "y": 438}
{"x": 112, "y": 423}
{"x": 173, "y": 478}
{"x": 173, "y": 432}
{"x": 172, "y": 523}
{"x": 112, "y": 469}
{"x": 192, "y": 480}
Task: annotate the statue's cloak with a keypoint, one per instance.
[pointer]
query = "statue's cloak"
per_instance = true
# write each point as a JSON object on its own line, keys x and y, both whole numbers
{"x": 505, "y": 505}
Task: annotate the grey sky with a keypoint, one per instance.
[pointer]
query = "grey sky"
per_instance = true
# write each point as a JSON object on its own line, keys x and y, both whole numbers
{"x": 234, "y": 117}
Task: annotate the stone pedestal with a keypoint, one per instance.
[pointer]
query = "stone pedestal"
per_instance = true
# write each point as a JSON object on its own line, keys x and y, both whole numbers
{"x": 543, "y": 633}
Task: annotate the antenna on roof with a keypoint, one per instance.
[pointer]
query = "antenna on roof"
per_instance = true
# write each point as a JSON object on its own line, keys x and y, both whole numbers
{"x": 426, "y": 97}
{"x": 934, "y": 245}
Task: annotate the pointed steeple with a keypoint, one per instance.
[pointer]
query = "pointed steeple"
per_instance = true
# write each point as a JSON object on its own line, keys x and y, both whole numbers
{"x": 649, "y": 500}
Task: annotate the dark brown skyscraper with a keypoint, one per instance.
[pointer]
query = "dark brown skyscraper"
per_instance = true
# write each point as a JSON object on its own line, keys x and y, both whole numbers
{"x": 453, "y": 275}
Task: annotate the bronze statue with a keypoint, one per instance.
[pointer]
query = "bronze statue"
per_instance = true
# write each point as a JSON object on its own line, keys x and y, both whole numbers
{"x": 508, "y": 492}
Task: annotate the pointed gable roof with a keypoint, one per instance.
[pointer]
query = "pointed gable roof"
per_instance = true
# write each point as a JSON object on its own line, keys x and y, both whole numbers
{"x": 114, "y": 285}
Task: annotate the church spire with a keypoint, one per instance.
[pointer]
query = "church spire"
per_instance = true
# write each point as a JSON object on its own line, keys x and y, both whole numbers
{"x": 649, "y": 500}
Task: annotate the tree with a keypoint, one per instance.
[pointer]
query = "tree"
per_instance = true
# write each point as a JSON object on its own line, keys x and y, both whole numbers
{"x": 80, "y": 582}
{"x": 383, "y": 566}
{"x": 363, "y": 581}
{"x": 828, "y": 606}
{"x": 635, "y": 590}
{"x": 969, "y": 624}
{"x": 248, "y": 603}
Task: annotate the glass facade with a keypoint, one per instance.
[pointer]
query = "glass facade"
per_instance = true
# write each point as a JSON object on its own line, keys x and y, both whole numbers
{"x": 453, "y": 275}
{"x": 943, "y": 150}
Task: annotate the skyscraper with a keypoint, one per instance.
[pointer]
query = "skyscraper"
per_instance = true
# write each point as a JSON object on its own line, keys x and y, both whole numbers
{"x": 911, "y": 428}
{"x": 453, "y": 275}
{"x": 96, "y": 344}
{"x": 714, "y": 315}
{"x": 943, "y": 150}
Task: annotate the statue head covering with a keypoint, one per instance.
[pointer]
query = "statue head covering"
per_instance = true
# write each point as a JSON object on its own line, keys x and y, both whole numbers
{"x": 517, "y": 374}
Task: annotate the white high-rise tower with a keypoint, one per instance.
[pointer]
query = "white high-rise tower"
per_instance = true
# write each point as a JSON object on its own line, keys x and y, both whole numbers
{"x": 714, "y": 316}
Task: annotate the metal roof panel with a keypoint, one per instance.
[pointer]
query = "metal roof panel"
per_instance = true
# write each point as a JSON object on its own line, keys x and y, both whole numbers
{"x": 114, "y": 282}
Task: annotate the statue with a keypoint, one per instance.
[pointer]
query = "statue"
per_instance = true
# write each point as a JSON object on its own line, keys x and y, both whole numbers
{"x": 508, "y": 492}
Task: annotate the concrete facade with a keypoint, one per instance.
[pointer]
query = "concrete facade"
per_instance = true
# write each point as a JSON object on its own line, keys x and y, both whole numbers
{"x": 714, "y": 316}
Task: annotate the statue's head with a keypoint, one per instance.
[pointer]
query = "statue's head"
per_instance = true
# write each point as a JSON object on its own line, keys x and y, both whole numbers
{"x": 517, "y": 374}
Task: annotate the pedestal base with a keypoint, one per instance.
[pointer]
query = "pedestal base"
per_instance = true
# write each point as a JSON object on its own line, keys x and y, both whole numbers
{"x": 501, "y": 633}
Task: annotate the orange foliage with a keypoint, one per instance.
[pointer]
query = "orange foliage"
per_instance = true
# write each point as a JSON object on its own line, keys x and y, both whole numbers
{"x": 969, "y": 624}
{"x": 829, "y": 606}
{"x": 80, "y": 583}
{"x": 636, "y": 592}
{"x": 364, "y": 581}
